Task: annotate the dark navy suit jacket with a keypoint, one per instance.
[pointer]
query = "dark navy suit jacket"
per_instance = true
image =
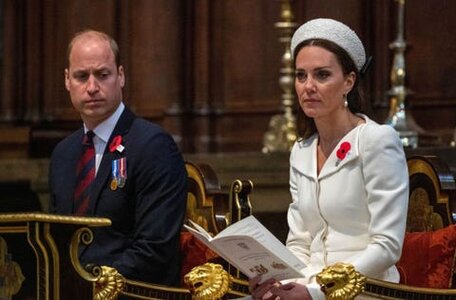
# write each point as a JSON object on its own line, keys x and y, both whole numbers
{"x": 146, "y": 214}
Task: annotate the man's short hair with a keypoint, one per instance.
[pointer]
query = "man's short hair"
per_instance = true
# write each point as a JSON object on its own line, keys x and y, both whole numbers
{"x": 99, "y": 34}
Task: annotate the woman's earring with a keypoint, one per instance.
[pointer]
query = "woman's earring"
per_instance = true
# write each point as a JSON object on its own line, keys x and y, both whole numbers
{"x": 345, "y": 100}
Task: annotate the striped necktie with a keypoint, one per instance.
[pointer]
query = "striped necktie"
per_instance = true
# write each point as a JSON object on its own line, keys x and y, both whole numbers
{"x": 85, "y": 174}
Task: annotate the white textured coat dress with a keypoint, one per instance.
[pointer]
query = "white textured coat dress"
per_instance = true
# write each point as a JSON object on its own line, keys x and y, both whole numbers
{"x": 355, "y": 210}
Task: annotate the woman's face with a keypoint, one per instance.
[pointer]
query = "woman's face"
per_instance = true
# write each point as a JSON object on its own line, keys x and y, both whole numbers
{"x": 320, "y": 83}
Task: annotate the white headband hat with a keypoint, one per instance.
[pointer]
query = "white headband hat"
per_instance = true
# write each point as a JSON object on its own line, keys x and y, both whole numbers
{"x": 334, "y": 31}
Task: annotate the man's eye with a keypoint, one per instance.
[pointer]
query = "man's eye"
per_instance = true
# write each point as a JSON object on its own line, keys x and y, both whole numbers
{"x": 81, "y": 77}
{"x": 103, "y": 75}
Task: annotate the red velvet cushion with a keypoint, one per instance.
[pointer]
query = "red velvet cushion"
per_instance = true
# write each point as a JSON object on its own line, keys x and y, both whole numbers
{"x": 428, "y": 258}
{"x": 193, "y": 253}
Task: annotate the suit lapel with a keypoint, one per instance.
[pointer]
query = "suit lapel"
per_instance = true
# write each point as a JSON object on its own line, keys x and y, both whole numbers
{"x": 104, "y": 170}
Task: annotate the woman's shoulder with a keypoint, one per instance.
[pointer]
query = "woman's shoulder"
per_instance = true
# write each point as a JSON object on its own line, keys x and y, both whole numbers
{"x": 374, "y": 130}
{"x": 375, "y": 136}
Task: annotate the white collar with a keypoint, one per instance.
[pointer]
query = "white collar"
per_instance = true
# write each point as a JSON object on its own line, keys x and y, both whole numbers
{"x": 308, "y": 148}
{"x": 105, "y": 128}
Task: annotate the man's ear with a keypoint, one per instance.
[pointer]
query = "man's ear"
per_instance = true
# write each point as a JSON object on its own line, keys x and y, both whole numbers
{"x": 120, "y": 73}
{"x": 67, "y": 79}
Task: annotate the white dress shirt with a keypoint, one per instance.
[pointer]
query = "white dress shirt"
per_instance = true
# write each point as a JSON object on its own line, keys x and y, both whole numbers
{"x": 102, "y": 133}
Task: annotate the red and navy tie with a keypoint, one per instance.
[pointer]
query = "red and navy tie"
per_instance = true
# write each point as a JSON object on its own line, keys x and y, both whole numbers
{"x": 85, "y": 174}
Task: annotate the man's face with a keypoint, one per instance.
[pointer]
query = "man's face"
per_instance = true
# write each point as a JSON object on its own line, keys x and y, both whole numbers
{"x": 93, "y": 79}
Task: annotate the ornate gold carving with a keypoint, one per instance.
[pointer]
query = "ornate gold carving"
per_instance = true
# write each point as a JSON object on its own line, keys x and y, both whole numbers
{"x": 50, "y": 218}
{"x": 242, "y": 208}
{"x": 14, "y": 229}
{"x": 398, "y": 117}
{"x": 341, "y": 281}
{"x": 55, "y": 256}
{"x": 10, "y": 273}
{"x": 109, "y": 284}
{"x": 208, "y": 281}
{"x": 195, "y": 213}
{"x": 422, "y": 197}
{"x": 199, "y": 205}
{"x": 282, "y": 128}
{"x": 421, "y": 215}
{"x": 85, "y": 236}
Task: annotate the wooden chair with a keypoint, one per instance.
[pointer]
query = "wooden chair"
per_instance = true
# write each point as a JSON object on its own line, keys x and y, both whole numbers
{"x": 432, "y": 205}
{"x": 213, "y": 209}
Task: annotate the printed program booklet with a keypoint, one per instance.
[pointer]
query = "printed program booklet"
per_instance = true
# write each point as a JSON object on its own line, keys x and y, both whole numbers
{"x": 251, "y": 248}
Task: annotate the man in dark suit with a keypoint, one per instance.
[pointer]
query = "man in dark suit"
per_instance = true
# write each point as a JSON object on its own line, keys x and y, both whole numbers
{"x": 134, "y": 174}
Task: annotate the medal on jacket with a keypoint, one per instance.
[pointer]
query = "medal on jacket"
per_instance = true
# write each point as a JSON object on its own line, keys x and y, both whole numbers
{"x": 119, "y": 173}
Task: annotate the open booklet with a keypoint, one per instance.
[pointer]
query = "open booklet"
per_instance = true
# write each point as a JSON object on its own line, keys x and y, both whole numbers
{"x": 251, "y": 248}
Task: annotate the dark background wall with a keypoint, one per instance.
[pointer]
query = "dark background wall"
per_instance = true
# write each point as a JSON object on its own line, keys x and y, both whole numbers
{"x": 207, "y": 70}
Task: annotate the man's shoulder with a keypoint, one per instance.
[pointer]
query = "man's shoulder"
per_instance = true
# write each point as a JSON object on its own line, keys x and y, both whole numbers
{"x": 146, "y": 130}
{"x": 142, "y": 126}
{"x": 143, "y": 132}
{"x": 148, "y": 141}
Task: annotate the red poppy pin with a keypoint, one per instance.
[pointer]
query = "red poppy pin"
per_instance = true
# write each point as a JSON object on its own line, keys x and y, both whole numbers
{"x": 116, "y": 144}
{"x": 342, "y": 151}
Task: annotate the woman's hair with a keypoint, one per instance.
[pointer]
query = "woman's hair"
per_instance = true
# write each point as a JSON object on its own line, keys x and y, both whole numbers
{"x": 305, "y": 125}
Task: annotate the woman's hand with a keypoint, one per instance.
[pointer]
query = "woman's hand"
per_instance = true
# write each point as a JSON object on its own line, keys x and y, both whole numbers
{"x": 290, "y": 291}
{"x": 262, "y": 291}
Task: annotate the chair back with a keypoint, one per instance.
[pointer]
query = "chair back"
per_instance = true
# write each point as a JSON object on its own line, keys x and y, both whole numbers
{"x": 432, "y": 194}
{"x": 432, "y": 204}
{"x": 214, "y": 210}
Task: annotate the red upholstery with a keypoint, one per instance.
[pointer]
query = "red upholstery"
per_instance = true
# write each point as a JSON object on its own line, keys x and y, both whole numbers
{"x": 428, "y": 258}
{"x": 193, "y": 253}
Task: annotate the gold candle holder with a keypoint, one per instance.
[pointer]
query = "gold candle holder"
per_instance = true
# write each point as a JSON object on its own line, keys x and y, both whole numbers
{"x": 282, "y": 127}
{"x": 397, "y": 116}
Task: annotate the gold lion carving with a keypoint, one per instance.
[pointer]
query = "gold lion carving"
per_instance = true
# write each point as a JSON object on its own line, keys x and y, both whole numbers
{"x": 208, "y": 281}
{"x": 109, "y": 285}
{"x": 341, "y": 282}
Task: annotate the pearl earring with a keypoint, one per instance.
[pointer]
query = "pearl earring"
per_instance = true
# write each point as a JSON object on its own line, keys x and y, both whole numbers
{"x": 345, "y": 100}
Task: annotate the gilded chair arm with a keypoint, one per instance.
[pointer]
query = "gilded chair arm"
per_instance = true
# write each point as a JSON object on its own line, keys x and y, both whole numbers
{"x": 341, "y": 281}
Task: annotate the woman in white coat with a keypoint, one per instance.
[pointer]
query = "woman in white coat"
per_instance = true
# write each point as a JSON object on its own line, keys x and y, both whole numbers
{"x": 348, "y": 174}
